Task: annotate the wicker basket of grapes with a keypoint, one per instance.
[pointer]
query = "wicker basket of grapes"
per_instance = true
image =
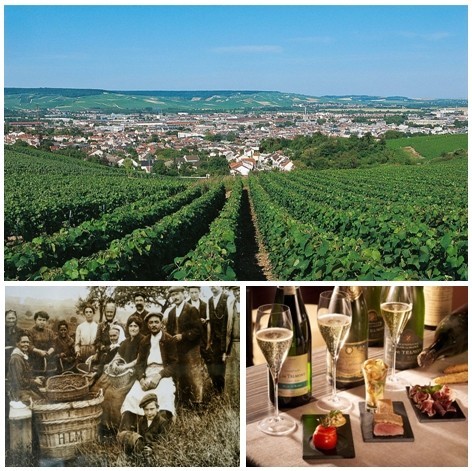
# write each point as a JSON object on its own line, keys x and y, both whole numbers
{"x": 67, "y": 387}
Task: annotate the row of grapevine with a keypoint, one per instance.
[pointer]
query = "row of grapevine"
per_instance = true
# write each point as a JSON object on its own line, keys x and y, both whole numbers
{"x": 21, "y": 160}
{"x": 146, "y": 253}
{"x": 214, "y": 257}
{"x": 37, "y": 203}
{"x": 371, "y": 238}
{"x": 22, "y": 261}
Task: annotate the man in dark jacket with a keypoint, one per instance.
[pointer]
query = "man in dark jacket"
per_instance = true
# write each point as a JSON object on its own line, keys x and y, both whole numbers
{"x": 155, "y": 368}
{"x": 218, "y": 316}
{"x": 141, "y": 311}
{"x": 184, "y": 324}
{"x": 197, "y": 302}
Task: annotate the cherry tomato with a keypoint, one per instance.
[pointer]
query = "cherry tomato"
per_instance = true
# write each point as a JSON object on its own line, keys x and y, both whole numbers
{"x": 325, "y": 438}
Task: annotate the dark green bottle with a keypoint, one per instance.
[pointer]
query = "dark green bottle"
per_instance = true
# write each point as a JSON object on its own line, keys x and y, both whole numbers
{"x": 450, "y": 337}
{"x": 410, "y": 344}
{"x": 295, "y": 381}
{"x": 355, "y": 349}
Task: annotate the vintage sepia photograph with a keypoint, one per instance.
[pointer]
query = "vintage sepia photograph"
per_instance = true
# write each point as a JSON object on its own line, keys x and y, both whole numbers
{"x": 122, "y": 376}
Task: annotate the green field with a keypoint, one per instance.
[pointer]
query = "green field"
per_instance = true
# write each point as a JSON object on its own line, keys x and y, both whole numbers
{"x": 153, "y": 102}
{"x": 430, "y": 147}
{"x": 195, "y": 101}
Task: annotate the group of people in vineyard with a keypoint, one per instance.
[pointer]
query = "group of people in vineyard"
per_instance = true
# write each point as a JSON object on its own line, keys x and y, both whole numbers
{"x": 167, "y": 358}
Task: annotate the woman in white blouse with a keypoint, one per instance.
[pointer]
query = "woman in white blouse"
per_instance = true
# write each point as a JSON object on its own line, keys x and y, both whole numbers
{"x": 85, "y": 335}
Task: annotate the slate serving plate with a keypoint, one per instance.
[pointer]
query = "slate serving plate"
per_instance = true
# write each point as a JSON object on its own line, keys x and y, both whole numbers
{"x": 448, "y": 417}
{"x": 344, "y": 447}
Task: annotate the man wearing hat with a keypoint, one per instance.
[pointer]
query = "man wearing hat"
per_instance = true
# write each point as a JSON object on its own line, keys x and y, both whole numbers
{"x": 139, "y": 303}
{"x": 185, "y": 325}
{"x": 155, "y": 368}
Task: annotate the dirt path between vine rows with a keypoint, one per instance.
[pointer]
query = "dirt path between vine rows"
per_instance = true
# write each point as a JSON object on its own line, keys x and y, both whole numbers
{"x": 252, "y": 259}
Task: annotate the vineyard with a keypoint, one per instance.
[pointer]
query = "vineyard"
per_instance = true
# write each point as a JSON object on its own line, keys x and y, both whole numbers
{"x": 383, "y": 223}
{"x": 72, "y": 220}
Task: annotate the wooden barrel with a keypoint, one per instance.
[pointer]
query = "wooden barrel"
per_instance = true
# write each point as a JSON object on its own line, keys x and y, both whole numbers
{"x": 20, "y": 425}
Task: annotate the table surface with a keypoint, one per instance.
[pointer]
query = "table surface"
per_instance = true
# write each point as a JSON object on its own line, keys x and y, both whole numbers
{"x": 435, "y": 443}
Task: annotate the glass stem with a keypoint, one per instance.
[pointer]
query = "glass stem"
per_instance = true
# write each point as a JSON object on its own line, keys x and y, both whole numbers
{"x": 394, "y": 361}
{"x": 276, "y": 396}
{"x": 333, "y": 372}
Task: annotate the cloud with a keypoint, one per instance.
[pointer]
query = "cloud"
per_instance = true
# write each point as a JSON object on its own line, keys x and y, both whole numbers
{"x": 313, "y": 39}
{"x": 249, "y": 49}
{"x": 437, "y": 36}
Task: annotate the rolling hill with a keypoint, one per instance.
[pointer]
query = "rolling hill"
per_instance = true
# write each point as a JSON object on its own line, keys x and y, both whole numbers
{"x": 75, "y": 100}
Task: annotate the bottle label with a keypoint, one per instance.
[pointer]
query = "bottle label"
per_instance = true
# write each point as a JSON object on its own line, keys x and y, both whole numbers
{"x": 351, "y": 357}
{"x": 289, "y": 290}
{"x": 293, "y": 379}
{"x": 376, "y": 325}
{"x": 408, "y": 349}
{"x": 438, "y": 303}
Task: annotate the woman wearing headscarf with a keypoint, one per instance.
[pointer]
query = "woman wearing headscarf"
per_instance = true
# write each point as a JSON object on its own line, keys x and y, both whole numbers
{"x": 117, "y": 336}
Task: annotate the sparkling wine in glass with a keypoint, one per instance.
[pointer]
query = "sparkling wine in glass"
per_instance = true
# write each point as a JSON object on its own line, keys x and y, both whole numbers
{"x": 396, "y": 306}
{"x": 274, "y": 333}
{"x": 334, "y": 317}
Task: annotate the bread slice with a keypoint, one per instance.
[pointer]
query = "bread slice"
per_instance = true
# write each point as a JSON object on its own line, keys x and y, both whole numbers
{"x": 462, "y": 377}
{"x": 384, "y": 406}
{"x": 459, "y": 368}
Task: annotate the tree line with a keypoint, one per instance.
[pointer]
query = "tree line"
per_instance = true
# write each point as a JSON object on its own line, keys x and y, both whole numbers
{"x": 318, "y": 151}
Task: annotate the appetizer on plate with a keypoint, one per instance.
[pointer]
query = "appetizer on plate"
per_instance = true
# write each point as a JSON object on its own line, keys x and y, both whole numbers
{"x": 385, "y": 422}
{"x": 325, "y": 435}
{"x": 432, "y": 400}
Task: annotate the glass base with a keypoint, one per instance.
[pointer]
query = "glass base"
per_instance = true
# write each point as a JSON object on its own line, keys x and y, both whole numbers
{"x": 396, "y": 383}
{"x": 334, "y": 403}
{"x": 281, "y": 425}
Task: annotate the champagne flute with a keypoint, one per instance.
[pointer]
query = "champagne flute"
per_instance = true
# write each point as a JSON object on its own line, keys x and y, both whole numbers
{"x": 334, "y": 317}
{"x": 395, "y": 306}
{"x": 274, "y": 333}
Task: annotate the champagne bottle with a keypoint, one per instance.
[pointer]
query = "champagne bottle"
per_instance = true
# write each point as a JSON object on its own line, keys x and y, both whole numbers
{"x": 295, "y": 382}
{"x": 450, "y": 337}
{"x": 376, "y": 323}
{"x": 355, "y": 349}
{"x": 411, "y": 340}
{"x": 438, "y": 304}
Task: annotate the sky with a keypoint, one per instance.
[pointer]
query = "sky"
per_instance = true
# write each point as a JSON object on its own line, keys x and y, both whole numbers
{"x": 413, "y": 51}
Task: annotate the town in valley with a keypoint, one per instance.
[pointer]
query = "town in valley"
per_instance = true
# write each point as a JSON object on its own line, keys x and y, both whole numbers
{"x": 158, "y": 142}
